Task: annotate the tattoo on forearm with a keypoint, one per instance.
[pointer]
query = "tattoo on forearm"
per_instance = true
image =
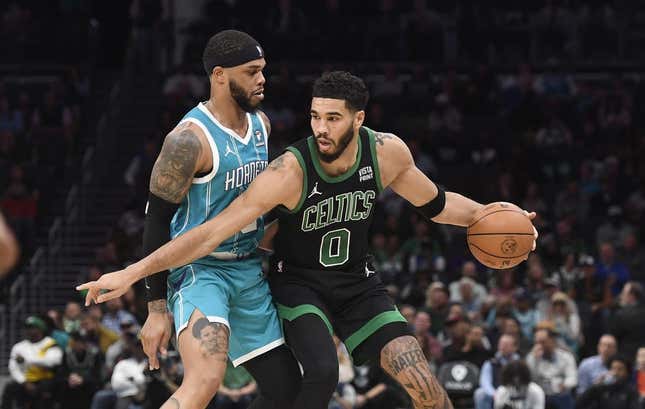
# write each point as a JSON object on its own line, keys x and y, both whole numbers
{"x": 277, "y": 163}
{"x": 381, "y": 137}
{"x": 157, "y": 306}
{"x": 404, "y": 360}
{"x": 213, "y": 338}
{"x": 174, "y": 169}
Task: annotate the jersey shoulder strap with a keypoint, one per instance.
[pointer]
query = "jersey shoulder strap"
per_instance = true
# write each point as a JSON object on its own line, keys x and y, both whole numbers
{"x": 370, "y": 140}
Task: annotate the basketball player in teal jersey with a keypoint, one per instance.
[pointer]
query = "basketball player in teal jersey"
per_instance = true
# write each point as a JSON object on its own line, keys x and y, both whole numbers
{"x": 325, "y": 188}
{"x": 221, "y": 303}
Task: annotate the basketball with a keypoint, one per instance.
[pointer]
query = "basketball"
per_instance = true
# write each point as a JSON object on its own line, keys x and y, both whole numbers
{"x": 501, "y": 236}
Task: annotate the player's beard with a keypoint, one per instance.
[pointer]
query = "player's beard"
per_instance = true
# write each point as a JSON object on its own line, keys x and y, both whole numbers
{"x": 343, "y": 142}
{"x": 241, "y": 97}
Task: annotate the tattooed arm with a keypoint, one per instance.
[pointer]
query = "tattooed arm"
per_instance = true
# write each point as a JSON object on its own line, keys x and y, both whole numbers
{"x": 183, "y": 154}
{"x": 279, "y": 184}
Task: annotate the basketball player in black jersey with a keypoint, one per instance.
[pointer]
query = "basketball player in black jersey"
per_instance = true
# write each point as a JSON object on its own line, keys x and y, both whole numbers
{"x": 325, "y": 188}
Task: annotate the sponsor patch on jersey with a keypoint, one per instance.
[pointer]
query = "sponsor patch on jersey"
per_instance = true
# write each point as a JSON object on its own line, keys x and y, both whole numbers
{"x": 365, "y": 173}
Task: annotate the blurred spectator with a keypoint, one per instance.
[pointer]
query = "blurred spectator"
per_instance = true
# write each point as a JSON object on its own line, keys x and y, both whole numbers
{"x": 554, "y": 369}
{"x": 516, "y": 389}
{"x": 524, "y": 312}
{"x": 128, "y": 332}
{"x": 512, "y": 328}
{"x": 128, "y": 379}
{"x": 626, "y": 324}
{"x": 32, "y": 366}
{"x": 115, "y": 315}
{"x": 409, "y": 313}
{"x": 72, "y": 317}
{"x": 615, "y": 392}
{"x": 640, "y": 372}
{"x": 237, "y": 389}
{"x": 633, "y": 255}
{"x": 566, "y": 321}
{"x": 430, "y": 346}
{"x": 54, "y": 323}
{"x": 466, "y": 343}
{"x": 437, "y": 304}
{"x": 490, "y": 375}
{"x": 80, "y": 375}
{"x": 477, "y": 292}
{"x": 592, "y": 370}
{"x": 96, "y": 333}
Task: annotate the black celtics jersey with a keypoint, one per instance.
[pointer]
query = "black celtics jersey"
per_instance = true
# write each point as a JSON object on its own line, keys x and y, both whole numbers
{"x": 328, "y": 230}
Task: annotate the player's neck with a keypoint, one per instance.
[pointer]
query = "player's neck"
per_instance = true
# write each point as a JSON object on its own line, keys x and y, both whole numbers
{"x": 228, "y": 113}
{"x": 345, "y": 161}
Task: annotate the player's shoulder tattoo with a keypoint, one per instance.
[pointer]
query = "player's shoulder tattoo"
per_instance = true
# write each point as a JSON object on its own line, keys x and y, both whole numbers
{"x": 382, "y": 137}
{"x": 174, "y": 169}
{"x": 282, "y": 162}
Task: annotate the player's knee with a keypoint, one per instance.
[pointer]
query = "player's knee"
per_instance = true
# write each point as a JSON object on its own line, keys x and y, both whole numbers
{"x": 323, "y": 371}
{"x": 204, "y": 385}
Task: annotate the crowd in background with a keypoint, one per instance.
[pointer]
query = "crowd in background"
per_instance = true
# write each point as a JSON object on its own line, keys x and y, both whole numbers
{"x": 564, "y": 327}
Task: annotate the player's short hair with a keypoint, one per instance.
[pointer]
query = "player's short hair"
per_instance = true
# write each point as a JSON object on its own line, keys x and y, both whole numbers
{"x": 230, "y": 48}
{"x": 342, "y": 85}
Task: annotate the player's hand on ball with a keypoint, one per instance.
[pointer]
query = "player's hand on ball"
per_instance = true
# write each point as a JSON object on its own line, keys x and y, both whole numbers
{"x": 531, "y": 216}
{"x": 116, "y": 283}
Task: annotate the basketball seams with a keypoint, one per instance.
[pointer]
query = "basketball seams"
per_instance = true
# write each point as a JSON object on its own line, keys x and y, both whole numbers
{"x": 495, "y": 255}
{"x": 493, "y": 212}
{"x": 500, "y": 234}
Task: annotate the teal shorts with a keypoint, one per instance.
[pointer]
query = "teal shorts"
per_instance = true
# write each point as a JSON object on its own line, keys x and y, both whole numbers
{"x": 233, "y": 293}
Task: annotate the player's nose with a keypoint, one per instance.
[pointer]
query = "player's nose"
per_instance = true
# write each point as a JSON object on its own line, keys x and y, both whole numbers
{"x": 261, "y": 79}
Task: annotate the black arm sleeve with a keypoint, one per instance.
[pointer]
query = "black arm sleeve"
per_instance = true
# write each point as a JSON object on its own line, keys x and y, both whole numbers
{"x": 156, "y": 233}
{"x": 435, "y": 206}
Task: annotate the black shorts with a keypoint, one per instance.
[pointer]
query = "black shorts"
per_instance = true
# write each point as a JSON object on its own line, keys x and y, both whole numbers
{"x": 353, "y": 306}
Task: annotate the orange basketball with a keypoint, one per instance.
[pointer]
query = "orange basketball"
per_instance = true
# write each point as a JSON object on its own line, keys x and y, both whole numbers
{"x": 501, "y": 236}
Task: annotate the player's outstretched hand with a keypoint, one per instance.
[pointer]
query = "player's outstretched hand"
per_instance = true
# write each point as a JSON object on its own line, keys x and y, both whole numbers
{"x": 116, "y": 283}
{"x": 531, "y": 215}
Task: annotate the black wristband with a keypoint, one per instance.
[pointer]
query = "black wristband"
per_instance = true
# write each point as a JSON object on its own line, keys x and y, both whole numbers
{"x": 435, "y": 206}
{"x": 156, "y": 233}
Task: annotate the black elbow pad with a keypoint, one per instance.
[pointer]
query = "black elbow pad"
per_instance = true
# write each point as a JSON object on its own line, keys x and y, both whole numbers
{"x": 435, "y": 206}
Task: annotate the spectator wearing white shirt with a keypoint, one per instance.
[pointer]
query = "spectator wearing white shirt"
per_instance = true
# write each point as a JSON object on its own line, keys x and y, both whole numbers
{"x": 516, "y": 390}
{"x": 32, "y": 365}
{"x": 128, "y": 379}
{"x": 554, "y": 369}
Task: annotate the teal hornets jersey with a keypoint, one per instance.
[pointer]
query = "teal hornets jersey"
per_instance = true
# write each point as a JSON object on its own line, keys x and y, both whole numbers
{"x": 236, "y": 162}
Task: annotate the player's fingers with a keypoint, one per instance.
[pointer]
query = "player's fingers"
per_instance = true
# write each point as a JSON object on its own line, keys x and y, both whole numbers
{"x": 535, "y": 237}
{"x": 116, "y": 293}
{"x": 151, "y": 353}
{"x": 88, "y": 298}
{"x": 530, "y": 215}
{"x": 86, "y": 286}
{"x": 163, "y": 346}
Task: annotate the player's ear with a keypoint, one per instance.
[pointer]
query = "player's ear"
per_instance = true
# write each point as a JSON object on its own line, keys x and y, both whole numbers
{"x": 218, "y": 75}
{"x": 359, "y": 117}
